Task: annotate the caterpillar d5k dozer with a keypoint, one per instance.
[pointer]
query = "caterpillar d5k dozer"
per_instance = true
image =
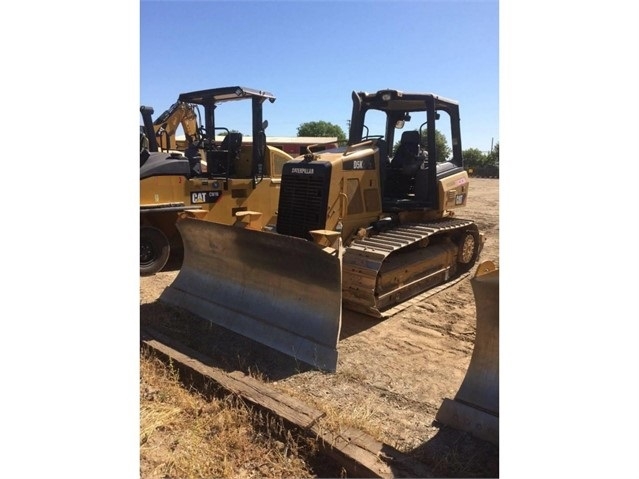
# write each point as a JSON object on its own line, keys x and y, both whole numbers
{"x": 355, "y": 226}
{"x": 224, "y": 181}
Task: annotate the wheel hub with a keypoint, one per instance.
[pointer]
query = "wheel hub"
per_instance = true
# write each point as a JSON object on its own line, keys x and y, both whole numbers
{"x": 467, "y": 249}
{"x": 146, "y": 252}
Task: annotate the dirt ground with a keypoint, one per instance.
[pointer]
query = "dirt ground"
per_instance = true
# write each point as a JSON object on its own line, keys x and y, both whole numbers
{"x": 392, "y": 375}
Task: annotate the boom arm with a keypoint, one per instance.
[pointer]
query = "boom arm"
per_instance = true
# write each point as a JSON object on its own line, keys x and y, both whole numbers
{"x": 180, "y": 113}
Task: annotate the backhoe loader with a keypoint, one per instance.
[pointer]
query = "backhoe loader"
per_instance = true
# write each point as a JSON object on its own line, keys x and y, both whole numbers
{"x": 223, "y": 181}
{"x": 165, "y": 126}
{"x": 363, "y": 226}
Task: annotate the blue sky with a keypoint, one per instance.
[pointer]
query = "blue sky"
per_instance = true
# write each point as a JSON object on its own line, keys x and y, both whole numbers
{"x": 312, "y": 54}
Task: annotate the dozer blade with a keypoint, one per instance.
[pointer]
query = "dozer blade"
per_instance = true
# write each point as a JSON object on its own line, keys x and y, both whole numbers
{"x": 476, "y": 405}
{"x": 278, "y": 290}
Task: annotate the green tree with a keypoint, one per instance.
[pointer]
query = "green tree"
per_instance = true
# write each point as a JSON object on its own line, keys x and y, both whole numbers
{"x": 320, "y": 128}
{"x": 441, "y": 144}
{"x": 473, "y": 158}
{"x": 493, "y": 157}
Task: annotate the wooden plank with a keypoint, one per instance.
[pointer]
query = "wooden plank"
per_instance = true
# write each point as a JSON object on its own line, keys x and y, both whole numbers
{"x": 237, "y": 383}
{"x": 364, "y": 456}
{"x": 359, "y": 453}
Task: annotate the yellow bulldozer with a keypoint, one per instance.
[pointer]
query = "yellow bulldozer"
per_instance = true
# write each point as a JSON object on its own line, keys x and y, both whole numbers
{"x": 224, "y": 181}
{"x": 365, "y": 226}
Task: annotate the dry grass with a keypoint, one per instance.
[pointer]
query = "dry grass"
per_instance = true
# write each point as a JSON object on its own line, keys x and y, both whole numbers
{"x": 361, "y": 414}
{"x": 185, "y": 435}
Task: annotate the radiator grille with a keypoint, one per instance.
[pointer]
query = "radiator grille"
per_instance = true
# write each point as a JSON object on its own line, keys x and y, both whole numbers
{"x": 303, "y": 200}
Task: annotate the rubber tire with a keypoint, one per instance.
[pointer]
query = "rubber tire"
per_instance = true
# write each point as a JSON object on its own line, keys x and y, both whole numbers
{"x": 156, "y": 246}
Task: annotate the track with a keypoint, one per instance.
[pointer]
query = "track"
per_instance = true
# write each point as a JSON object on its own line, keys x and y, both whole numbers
{"x": 375, "y": 277}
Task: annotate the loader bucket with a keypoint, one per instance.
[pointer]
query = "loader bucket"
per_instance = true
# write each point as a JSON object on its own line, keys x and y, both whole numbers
{"x": 476, "y": 405}
{"x": 278, "y": 290}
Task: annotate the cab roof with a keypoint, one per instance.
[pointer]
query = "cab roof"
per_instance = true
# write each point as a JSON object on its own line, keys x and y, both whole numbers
{"x": 230, "y": 93}
{"x": 396, "y": 100}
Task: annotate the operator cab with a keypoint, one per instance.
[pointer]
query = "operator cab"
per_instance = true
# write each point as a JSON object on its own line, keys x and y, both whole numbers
{"x": 410, "y": 168}
{"x": 223, "y": 158}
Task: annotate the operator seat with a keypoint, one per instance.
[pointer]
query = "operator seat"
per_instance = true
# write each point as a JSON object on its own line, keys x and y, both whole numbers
{"x": 405, "y": 158}
{"x": 401, "y": 172}
{"x": 233, "y": 144}
{"x": 226, "y": 155}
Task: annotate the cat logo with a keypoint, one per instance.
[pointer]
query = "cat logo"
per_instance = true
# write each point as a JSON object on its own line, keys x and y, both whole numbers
{"x": 198, "y": 197}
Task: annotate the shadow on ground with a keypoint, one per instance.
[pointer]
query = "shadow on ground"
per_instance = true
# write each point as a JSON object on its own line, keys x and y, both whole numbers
{"x": 230, "y": 351}
{"x": 453, "y": 453}
{"x": 223, "y": 348}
